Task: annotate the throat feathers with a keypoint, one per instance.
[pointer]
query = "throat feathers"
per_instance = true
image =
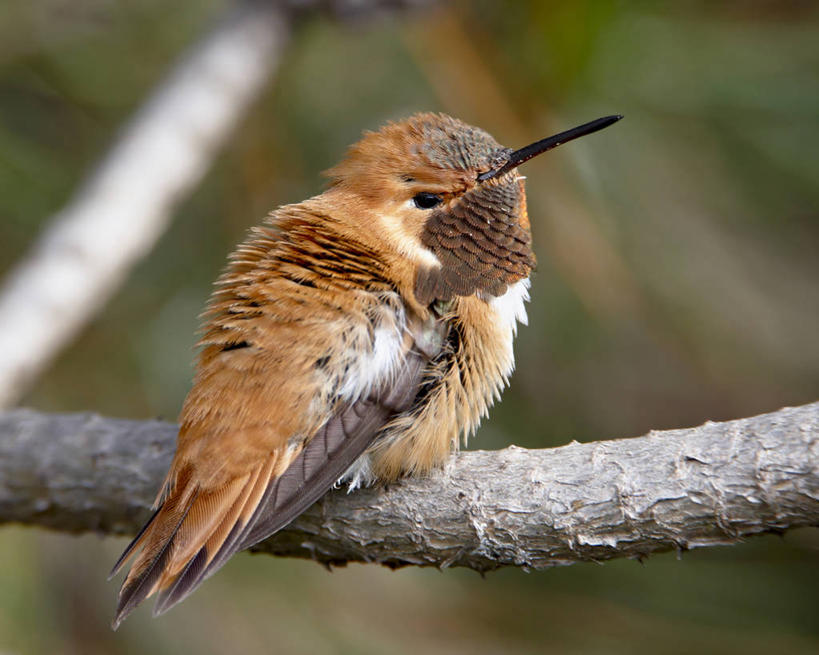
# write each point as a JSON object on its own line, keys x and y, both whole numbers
{"x": 358, "y": 335}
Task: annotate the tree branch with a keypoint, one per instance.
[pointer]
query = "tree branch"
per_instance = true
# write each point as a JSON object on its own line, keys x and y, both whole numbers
{"x": 703, "y": 486}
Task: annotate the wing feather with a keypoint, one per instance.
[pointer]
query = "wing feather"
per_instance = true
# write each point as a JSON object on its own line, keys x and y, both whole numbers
{"x": 324, "y": 459}
{"x": 341, "y": 441}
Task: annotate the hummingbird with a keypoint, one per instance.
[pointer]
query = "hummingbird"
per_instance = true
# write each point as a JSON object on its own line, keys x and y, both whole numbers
{"x": 355, "y": 337}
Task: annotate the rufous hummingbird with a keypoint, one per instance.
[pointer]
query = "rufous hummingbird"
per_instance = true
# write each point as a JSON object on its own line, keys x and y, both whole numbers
{"x": 356, "y": 336}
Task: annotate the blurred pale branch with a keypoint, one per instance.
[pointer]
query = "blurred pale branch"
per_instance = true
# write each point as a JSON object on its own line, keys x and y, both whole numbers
{"x": 676, "y": 489}
{"x": 116, "y": 217}
{"x": 88, "y": 248}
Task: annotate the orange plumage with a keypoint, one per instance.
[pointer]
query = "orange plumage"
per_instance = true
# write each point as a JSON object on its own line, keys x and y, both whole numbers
{"x": 361, "y": 332}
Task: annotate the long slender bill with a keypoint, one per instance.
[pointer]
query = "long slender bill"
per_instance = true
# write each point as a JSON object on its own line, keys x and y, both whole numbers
{"x": 517, "y": 157}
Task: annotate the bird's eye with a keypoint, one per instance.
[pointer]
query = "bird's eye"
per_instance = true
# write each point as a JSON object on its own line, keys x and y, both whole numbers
{"x": 426, "y": 200}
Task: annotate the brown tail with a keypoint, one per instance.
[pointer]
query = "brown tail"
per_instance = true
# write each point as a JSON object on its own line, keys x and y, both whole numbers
{"x": 183, "y": 536}
{"x": 155, "y": 539}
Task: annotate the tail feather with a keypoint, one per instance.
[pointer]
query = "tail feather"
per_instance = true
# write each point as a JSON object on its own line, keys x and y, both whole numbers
{"x": 147, "y": 569}
{"x": 182, "y": 539}
{"x": 245, "y": 521}
{"x": 184, "y": 582}
{"x": 136, "y": 542}
{"x": 206, "y": 515}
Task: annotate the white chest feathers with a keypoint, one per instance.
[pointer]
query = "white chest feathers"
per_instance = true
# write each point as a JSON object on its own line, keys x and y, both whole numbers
{"x": 509, "y": 310}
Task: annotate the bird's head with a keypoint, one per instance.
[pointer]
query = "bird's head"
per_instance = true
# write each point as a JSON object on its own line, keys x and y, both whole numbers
{"x": 447, "y": 197}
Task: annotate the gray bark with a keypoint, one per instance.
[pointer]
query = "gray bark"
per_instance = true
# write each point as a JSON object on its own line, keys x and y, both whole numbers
{"x": 676, "y": 489}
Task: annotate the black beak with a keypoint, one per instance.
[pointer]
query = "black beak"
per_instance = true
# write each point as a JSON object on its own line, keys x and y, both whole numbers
{"x": 517, "y": 157}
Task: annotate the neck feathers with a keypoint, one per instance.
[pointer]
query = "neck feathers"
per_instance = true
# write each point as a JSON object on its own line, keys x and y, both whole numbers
{"x": 482, "y": 242}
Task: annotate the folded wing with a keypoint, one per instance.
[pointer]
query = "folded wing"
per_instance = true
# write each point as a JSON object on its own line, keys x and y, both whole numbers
{"x": 195, "y": 531}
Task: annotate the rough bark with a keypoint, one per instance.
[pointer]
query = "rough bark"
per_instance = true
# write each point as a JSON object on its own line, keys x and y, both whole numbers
{"x": 710, "y": 485}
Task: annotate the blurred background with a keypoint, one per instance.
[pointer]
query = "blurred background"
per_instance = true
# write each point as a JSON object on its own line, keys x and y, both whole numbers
{"x": 677, "y": 282}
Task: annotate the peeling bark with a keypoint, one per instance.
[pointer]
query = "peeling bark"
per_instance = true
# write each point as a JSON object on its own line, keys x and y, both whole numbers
{"x": 676, "y": 489}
